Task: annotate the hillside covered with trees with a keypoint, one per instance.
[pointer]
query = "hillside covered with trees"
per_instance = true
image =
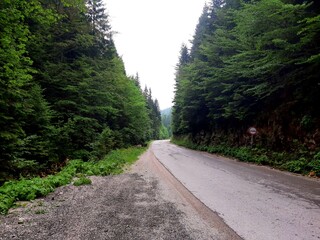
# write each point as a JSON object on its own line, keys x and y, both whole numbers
{"x": 253, "y": 63}
{"x": 166, "y": 122}
{"x": 64, "y": 92}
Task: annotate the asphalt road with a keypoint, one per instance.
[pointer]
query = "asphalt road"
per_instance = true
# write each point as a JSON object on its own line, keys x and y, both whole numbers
{"x": 144, "y": 203}
{"x": 255, "y": 201}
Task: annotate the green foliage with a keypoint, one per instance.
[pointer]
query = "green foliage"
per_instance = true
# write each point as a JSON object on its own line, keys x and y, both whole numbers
{"x": 18, "y": 93}
{"x": 281, "y": 160}
{"x": 82, "y": 181}
{"x": 104, "y": 144}
{"x": 314, "y": 164}
{"x": 252, "y": 63}
{"x": 25, "y": 189}
{"x": 164, "y": 133}
{"x": 154, "y": 114}
{"x": 295, "y": 166}
{"x": 166, "y": 120}
{"x": 306, "y": 122}
{"x": 25, "y": 167}
{"x": 64, "y": 92}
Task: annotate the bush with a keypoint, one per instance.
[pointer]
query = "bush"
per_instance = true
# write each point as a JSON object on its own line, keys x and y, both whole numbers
{"x": 296, "y": 166}
{"x": 82, "y": 181}
{"x": 104, "y": 144}
{"x": 314, "y": 164}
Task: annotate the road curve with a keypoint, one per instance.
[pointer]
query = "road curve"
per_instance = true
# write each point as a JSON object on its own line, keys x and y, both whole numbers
{"x": 255, "y": 201}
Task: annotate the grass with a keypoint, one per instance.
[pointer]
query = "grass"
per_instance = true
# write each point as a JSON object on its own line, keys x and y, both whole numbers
{"x": 29, "y": 189}
{"x": 82, "y": 181}
{"x": 40, "y": 211}
{"x": 284, "y": 161}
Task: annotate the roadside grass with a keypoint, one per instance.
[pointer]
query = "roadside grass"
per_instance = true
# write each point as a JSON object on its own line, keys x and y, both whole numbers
{"x": 82, "y": 181}
{"x": 281, "y": 160}
{"x": 40, "y": 211}
{"x": 29, "y": 189}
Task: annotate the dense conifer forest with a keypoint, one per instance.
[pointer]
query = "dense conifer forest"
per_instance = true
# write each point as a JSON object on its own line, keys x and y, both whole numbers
{"x": 64, "y": 92}
{"x": 253, "y": 63}
{"x": 166, "y": 121}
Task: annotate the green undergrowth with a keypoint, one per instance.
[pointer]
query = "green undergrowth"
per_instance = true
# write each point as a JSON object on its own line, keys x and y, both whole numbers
{"x": 291, "y": 162}
{"x": 29, "y": 189}
{"x": 82, "y": 181}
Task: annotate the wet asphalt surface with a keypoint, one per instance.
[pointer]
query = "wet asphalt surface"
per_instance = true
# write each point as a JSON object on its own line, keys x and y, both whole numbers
{"x": 257, "y": 202}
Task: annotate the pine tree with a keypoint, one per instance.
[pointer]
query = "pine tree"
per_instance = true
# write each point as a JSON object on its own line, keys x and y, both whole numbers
{"x": 20, "y": 97}
{"x": 99, "y": 24}
{"x": 255, "y": 66}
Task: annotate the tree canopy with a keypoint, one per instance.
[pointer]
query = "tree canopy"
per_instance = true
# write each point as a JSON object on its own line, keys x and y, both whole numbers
{"x": 252, "y": 63}
{"x": 64, "y": 92}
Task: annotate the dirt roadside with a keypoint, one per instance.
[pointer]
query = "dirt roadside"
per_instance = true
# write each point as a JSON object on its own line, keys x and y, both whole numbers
{"x": 146, "y": 202}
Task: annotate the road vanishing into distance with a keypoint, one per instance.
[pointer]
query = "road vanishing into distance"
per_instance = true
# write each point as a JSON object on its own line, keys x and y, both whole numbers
{"x": 257, "y": 202}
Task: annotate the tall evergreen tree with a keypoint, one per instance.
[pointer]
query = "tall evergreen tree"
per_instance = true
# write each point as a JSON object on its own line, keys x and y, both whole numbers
{"x": 255, "y": 65}
{"x": 154, "y": 114}
{"x": 202, "y": 29}
{"x": 64, "y": 92}
{"x": 21, "y": 99}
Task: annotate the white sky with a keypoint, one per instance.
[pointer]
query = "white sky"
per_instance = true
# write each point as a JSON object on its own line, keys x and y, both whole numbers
{"x": 149, "y": 38}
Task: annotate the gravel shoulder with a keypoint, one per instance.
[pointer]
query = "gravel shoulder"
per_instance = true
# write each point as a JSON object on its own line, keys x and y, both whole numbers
{"x": 146, "y": 202}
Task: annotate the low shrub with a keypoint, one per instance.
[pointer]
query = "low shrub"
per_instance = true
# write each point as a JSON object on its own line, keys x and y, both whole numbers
{"x": 296, "y": 166}
{"x": 82, "y": 181}
{"x": 314, "y": 164}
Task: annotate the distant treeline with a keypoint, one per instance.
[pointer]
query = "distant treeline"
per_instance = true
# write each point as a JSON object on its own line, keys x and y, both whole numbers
{"x": 166, "y": 123}
{"x": 252, "y": 63}
{"x": 64, "y": 92}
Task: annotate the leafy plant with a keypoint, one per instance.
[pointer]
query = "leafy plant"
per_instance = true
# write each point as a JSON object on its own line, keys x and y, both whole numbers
{"x": 306, "y": 122}
{"x": 296, "y": 166}
{"x": 314, "y": 164}
{"x": 82, "y": 181}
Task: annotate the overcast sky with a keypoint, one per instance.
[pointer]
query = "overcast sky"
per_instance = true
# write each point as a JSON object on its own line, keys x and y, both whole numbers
{"x": 149, "y": 37}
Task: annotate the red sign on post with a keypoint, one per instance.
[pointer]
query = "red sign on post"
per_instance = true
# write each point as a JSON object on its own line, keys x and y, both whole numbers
{"x": 252, "y": 131}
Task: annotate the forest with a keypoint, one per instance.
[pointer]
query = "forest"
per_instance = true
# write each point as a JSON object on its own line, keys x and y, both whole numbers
{"x": 64, "y": 92}
{"x": 253, "y": 63}
{"x": 166, "y": 122}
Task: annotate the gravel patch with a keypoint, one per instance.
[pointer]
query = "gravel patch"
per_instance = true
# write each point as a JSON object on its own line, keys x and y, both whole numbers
{"x": 134, "y": 205}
